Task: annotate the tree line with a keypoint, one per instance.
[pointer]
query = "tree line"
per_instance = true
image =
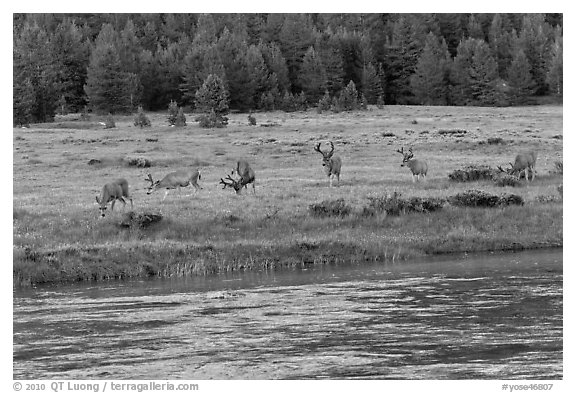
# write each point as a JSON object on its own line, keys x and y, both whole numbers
{"x": 114, "y": 63}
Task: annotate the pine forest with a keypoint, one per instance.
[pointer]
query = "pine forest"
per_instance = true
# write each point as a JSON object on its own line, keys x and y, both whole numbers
{"x": 117, "y": 63}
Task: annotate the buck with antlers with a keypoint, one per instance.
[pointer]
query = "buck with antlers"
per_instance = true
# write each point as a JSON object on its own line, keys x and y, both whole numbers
{"x": 174, "y": 180}
{"x": 525, "y": 162}
{"x": 246, "y": 174}
{"x": 331, "y": 163}
{"x": 417, "y": 167}
{"x": 112, "y": 192}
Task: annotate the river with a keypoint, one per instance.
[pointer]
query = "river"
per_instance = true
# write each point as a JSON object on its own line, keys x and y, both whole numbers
{"x": 489, "y": 316}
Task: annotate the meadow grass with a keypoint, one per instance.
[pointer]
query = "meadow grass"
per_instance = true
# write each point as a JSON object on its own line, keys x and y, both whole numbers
{"x": 59, "y": 238}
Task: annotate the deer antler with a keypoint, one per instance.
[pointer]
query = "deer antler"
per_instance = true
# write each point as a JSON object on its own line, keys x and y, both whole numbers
{"x": 149, "y": 178}
{"x": 401, "y": 151}
{"x": 233, "y": 183}
{"x": 317, "y": 148}
{"x": 331, "y": 151}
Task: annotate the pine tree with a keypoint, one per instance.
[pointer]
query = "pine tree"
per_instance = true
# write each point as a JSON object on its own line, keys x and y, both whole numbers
{"x": 520, "y": 82}
{"x": 371, "y": 84}
{"x": 276, "y": 64}
{"x": 328, "y": 48}
{"x": 312, "y": 76}
{"x": 108, "y": 87}
{"x": 212, "y": 99}
{"x": 200, "y": 62}
{"x": 70, "y": 55}
{"x": 554, "y": 76}
{"x": 34, "y": 75}
{"x": 430, "y": 81}
{"x": 483, "y": 76}
{"x": 533, "y": 40}
{"x": 295, "y": 37}
{"x": 500, "y": 43}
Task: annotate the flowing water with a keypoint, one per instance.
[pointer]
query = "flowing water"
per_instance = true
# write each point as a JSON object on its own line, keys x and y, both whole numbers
{"x": 474, "y": 317}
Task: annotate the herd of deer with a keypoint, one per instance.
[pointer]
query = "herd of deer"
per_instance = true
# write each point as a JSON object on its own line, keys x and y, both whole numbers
{"x": 118, "y": 189}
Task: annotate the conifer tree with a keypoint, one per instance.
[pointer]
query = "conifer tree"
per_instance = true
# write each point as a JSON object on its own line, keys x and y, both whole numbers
{"x": 212, "y": 99}
{"x": 34, "y": 75}
{"x": 554, "y": 76}
{"x": 430, "y": 81}
{"x": 520, "y": 82}
{"x": 371, "y": 83}
{"x": 108, "y": 87}
{"x": 312, "y": 75}
{"x": 533, "y": 40}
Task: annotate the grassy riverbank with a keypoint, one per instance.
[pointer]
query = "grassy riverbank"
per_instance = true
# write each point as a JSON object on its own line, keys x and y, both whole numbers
{"x": 59, "y": 238}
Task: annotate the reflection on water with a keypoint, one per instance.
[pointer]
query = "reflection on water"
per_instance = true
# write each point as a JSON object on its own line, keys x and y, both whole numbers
{"x": 480, "y": 317}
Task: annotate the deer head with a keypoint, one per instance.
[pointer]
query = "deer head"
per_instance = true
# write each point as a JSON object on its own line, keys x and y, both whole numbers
{"x": 232, "y": 183}
{"x": 406, "y": 156}
{"x": 152, "y": 183}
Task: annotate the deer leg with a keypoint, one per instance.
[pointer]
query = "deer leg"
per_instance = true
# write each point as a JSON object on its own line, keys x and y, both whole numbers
{"x": 166, "y": 194}
{"x": 330, "y": 177}
{"x": 112, "y": 206}
{"x": 526, "y": 174}
{"x": 254, "y": 187}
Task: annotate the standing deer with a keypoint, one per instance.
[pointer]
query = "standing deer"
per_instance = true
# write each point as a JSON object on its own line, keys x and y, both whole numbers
{"x": 246, "y": 174}
{"x": 332, "y": 164}
{"x": 418, "y": 167}
{"x": 111, "y": 192}
{"x": 174, "y": 180}
{"x": 525, "y": 162}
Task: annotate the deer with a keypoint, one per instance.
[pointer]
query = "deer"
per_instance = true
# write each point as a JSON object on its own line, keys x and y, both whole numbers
{"x": 178, "y": 179}
{"x": 112, "y": 192}
{"x": 246, "y": 174}
{"x": 525, "y": 162}
{"x": 331, "y": 163}
{"x": 417, "y": 167}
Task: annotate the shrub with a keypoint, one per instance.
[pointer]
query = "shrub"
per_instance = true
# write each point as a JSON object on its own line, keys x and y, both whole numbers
{"x": 380, "y": 102}
{"x": 141, "y": 119}
{"x": 172, "y": 112}
{"x": 139, "y": 162}
{"x": 495, "y": 141}
{"x": 478, "y": 198}
{"x": 472, "y": 173}
{"x": 180, "y": 118}
{"x": 109, "y": 123}
{"x": 455, "y": 132}
{"x": 503, "y": 179}
{"x": 560, "y": 189}
{"x": 324, "y": 102}
{"x": 330, "y": 208}
{"x": 251, "y": 120}
{"x": 212, "y": 120}
{"x": 394, "y": 205}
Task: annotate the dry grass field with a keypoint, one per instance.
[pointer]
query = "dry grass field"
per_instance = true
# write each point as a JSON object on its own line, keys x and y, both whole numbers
{"x": 58, "y": 235}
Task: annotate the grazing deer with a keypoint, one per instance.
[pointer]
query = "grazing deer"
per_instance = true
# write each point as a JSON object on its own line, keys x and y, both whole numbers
{"x": 174, "y": 180}
{"x": 418, "y": 167}
{"x": 332, "y": 164}
{"x": 111, "y": 192}
{"x": 525, "y": 162}
{"x": 246, "y": 174}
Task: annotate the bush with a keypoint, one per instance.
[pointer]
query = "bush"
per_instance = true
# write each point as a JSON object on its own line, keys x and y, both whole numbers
{"x": 109, "y": 123}
{"x": 478, "y": 198}
{"x": 324, "y": 102}
{"x": 330, "y": 208}
{"x": 172, "y": 112}
{"x": 251, "y": 120}
{"x": 212, "y": 120}
{"x": 395, "y": 205}
{"x": 180, "y": 118}
{"x": 503, "y": 179}
{"x": 380, "y": 102}
{"x": 139, "y": 162}
{"x": 141, "y": 119}
{"x": 472, "y": 173}
{"x": 495, "y": 141}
